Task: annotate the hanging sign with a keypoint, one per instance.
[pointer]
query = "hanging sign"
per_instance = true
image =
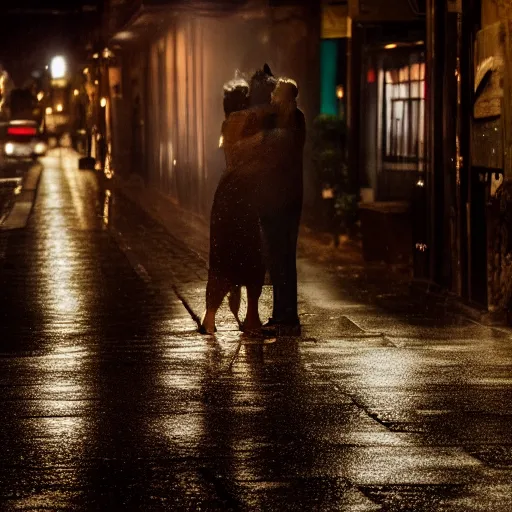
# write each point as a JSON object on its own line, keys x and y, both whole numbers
{"x": 335, "y": 22}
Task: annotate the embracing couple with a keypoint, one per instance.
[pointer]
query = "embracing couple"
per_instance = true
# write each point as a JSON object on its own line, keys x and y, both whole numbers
{"x": 257, "y": 205}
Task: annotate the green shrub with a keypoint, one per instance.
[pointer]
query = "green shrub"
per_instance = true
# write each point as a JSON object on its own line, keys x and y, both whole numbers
{"x": 331, "y": 172}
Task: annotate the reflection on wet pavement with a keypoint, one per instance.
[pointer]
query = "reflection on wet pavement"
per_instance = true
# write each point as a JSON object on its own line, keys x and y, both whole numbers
{"x": 112, "y": 401}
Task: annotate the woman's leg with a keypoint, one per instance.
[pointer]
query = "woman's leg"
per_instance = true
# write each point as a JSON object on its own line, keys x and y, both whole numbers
{"x": 234, "y": 299}
{"x": 252, "y": 321}
{"x": 216, "y": 289}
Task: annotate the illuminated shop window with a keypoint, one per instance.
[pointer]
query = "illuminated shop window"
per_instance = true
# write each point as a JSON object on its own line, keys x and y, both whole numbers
{"x": 404, "y": 112}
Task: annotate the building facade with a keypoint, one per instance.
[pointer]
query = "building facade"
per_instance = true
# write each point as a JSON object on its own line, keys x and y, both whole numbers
{"x": 172, "y": 60}
{"x": 386, "y": 121}
{"x": 464, "y": 214}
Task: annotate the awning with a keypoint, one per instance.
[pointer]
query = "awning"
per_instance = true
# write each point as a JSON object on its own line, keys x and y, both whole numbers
{"x": 130, "y": 23}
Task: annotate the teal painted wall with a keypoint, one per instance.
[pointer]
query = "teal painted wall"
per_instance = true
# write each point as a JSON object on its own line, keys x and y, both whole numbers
{"x": 328, "y": 70}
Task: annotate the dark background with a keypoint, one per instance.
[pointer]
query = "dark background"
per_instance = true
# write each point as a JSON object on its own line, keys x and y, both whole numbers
{"x": 34, "y": 31}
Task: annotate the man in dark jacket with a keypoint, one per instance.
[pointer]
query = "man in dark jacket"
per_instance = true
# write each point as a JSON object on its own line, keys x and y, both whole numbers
{"x": 279, "y": 192}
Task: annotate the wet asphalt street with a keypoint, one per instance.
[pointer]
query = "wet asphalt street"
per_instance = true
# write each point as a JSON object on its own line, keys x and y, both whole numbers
{"x": 110, "y": 400}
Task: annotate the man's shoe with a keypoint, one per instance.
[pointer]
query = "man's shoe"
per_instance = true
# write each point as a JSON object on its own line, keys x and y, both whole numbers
{"x": 270, "y": 328}
{"x": 273, "y": 328}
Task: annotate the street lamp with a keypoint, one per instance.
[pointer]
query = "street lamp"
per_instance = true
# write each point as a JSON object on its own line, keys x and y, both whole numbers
{"x": 58, "y": 67}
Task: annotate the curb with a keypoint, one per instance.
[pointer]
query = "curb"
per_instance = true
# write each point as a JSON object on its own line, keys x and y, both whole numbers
{"x": 20, "y": 212}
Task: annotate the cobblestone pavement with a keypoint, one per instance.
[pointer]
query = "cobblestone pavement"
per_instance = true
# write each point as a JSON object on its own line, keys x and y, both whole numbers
{"x": 112, "y": 401}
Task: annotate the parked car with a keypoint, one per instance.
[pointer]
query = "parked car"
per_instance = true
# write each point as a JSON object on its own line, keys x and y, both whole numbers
{"x": 24, "y": 139}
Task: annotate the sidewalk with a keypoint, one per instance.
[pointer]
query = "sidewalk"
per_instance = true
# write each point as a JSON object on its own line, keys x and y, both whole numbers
{"x": 389, "y": 287}
{"x": 339, "y": 294}
{"x": 332, "y": 281}
{"x": 315, "y": 250}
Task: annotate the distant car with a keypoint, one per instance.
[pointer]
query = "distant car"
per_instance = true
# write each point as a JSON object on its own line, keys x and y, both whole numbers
{"x": 24, "y": 139}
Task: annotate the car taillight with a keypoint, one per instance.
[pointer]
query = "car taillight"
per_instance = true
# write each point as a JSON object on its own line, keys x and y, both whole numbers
{"x": 21, "y": 130}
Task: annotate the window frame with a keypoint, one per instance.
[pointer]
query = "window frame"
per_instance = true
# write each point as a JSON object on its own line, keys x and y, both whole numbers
{"x": 388, "y": 157}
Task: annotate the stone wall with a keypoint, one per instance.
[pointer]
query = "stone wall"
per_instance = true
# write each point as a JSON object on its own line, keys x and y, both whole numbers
{"x": 493, "y": 108}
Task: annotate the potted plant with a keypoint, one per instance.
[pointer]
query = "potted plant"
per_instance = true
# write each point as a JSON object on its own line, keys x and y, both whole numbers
{"x": 335, "y": 199}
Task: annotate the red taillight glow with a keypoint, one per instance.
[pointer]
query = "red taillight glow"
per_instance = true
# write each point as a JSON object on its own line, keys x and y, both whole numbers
{"x": 21, "y": 130}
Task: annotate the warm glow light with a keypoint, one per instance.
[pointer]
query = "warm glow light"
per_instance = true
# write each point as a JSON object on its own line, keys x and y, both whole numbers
{"x": 390, "y": 46}
{"x": 96, "y": 82}
{"x": 58, "y": 67}
{"x": 123, "y": 36}
{"x": 9, "y": 148}
{"x": 76, "y": 92}
{"x": 106, "y": 206}
{"x": 96, "y": 56}
{"x": 340, "y": 92}
{"x": 40, "y": 95}
{"x": 103, "y": 102}
{"x": 59, "y": 107}
{"x": 86, "y": 70}
{"x": 49, "y": 110}
{"x": 40, "y": 148}
{"x": 108, "y": 170}
{"x": 221, "y": 141}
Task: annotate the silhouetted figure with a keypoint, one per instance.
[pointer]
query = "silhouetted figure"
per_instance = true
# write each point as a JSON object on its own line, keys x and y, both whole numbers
{"x": 281, "y": 207}
{"x": 235, "y": 241}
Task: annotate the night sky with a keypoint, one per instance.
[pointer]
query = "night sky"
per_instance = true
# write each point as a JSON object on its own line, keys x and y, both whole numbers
{"x": 35, "y": 30}
{"x": 45, "y": 4}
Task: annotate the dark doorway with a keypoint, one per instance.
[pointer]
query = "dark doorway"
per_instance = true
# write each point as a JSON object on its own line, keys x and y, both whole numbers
{"x": 478, "y": 237}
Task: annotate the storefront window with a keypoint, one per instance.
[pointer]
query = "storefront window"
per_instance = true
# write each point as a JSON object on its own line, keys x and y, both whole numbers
{"x": 404, "y": 111}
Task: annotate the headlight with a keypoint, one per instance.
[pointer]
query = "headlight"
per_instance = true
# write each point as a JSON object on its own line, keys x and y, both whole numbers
{"x": 40, "y": 148}
{"x": 9, "y": 148}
